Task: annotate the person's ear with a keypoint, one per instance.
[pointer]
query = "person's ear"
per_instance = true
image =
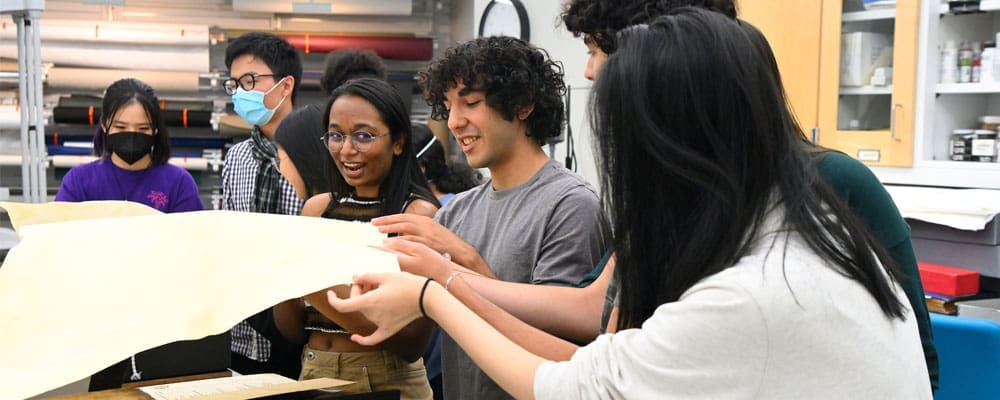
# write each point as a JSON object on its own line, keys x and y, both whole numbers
{"x": 397, "y": 146}
{"x": 287, "y": 86}
{"x": 525, "y": 112}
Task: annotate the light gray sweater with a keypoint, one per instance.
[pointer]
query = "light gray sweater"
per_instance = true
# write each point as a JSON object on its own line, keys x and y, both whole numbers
{"x": 747, "y": 333}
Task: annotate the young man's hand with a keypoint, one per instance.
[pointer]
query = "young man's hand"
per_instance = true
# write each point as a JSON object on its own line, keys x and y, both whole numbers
{"x": 427, "y": 231}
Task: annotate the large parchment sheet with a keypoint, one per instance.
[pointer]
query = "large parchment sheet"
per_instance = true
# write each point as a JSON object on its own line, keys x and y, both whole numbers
{"x": 966, "y": 209}
{"x": 46, "y": 213}
{"x": 80, "y": 295}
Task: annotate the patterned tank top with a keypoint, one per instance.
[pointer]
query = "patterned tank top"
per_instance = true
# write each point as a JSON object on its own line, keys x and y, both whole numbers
{"x": 350, "y": 208}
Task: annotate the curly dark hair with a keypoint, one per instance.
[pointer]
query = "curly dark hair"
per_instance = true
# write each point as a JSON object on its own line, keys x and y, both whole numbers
{"x": 600, "y": 20}
{"x": 513, "y": 75}
{"x": 346, "y": 64}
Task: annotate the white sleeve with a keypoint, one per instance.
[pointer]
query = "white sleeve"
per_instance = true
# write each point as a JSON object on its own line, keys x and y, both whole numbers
{"x": 710, "y": 344}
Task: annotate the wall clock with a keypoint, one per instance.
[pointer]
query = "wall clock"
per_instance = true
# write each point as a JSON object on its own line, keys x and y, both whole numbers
{"x": 505, "y": 18}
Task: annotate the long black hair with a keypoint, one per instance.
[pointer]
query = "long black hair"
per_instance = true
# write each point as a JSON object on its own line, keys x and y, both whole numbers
{"x": 696, "y": 153}
{"x": 120, "y": 94}
{"x": 404, "y": 177}
{"x": 300, "y": 135}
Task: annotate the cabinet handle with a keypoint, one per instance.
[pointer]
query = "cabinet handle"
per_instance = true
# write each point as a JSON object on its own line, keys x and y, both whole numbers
{"x": 892, "y": 122}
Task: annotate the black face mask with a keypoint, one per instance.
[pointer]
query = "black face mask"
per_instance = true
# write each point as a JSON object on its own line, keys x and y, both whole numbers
{"x": 130, "y": 146}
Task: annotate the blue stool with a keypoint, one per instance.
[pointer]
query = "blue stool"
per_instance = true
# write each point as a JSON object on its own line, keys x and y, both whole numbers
{"x": 969, "y": 354}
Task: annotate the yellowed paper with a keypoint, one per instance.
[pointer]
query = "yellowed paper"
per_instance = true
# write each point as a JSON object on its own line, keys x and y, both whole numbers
{"x": 31, "y": 214}
{"x": 78, "y": 296}
{"x": 237, "y": 387}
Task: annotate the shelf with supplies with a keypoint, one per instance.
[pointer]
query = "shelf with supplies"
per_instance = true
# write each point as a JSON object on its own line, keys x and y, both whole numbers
{"x": 952, "y": 49}
{"x": 984, "y": 5}
{"x": 968, "y": 88}
{"x": 869, "y": 15}
{"x": 866, "y": 90}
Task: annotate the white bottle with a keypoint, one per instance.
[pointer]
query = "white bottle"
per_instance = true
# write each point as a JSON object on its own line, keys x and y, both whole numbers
{"x": 949, "y": 62}
{"x": 965, "y": 56}
{"x": 977, "y": 54}
{"x": 986, "y": 62}
{"x": 996, "y": 63}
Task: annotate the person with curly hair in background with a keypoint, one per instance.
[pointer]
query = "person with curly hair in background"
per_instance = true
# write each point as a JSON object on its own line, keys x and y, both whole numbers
{"x": 534, "y": 221}
{"x": 599, "y": 21}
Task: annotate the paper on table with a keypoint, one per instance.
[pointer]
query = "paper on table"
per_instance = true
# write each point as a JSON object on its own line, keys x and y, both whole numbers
{"x": 237, "y": 387}
{"x": 78, "y": 296}
{"x": 967, "y": 209}
{"x": 22, "y": 214}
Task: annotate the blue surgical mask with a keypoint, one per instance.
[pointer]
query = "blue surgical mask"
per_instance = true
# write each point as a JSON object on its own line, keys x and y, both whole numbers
{"x": 249, "y": 104}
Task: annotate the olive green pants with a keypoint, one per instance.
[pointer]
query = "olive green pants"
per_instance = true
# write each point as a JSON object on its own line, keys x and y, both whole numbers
{"x": 371, "y": 371}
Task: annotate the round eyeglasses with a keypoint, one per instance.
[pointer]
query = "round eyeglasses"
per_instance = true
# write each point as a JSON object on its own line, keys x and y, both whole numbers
{"x": 361, "y": 141}
{"x": 247, "y": 82}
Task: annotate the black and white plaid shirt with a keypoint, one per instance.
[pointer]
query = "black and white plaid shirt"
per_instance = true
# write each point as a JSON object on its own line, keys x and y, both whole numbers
{"x": 239, "y": 176}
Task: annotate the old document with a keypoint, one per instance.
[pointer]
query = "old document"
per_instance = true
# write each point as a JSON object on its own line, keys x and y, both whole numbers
{"x": 80, "y": 295}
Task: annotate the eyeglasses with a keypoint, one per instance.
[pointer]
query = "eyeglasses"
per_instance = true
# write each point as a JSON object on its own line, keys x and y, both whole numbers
{"x": 247, "y": 82}
{"x": 362, "y": 141}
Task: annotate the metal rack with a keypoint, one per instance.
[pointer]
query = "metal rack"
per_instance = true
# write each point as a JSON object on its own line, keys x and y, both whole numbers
{"x": 26, "y": 14}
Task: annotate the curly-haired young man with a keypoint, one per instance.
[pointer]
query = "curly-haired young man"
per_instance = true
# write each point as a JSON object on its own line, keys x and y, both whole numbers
{"x": 533, "y": 221}
{"x": 598, "y": 21}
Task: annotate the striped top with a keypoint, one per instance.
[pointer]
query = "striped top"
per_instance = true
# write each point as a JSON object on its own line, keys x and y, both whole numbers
{"x": 356, "y": 208}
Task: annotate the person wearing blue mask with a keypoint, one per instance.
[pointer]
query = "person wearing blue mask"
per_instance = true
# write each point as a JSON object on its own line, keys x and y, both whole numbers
{"x": 265, "y": 71}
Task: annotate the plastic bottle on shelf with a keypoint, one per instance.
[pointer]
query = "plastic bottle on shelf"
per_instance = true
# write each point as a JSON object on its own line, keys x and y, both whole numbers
{"x": 986, "y": 74}
{"x": 996, "y": 61}
{"x": 949, "y": 62}
{"x": 965, "y": 63}
{"x": 977, "y": 53}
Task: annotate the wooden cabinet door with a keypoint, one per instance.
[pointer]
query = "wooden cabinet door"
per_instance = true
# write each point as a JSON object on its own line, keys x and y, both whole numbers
{"x": 872, "y": 123}
{"x": 792, "y": 27}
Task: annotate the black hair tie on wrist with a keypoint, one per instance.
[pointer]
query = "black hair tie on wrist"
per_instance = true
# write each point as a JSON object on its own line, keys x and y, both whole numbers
{"x": 422, "y": 291}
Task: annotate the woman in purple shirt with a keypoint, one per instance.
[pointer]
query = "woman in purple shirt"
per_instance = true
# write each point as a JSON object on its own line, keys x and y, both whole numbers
{"x": 133, "y": 147}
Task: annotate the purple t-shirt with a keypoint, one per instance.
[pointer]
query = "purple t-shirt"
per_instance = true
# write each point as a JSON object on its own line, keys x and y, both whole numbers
{"x": 166, "y": 187}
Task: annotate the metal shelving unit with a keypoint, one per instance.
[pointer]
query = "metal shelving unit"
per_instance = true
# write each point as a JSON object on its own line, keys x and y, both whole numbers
{"x": 27, "y": 14}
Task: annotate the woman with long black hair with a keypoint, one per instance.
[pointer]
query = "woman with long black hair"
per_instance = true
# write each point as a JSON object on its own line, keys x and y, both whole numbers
{"x": 741, "y": 274}
{"x": 372, "y": 172}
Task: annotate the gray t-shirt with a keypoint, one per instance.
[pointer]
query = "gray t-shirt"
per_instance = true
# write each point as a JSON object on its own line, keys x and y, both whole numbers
{"x": 544, "y": 231}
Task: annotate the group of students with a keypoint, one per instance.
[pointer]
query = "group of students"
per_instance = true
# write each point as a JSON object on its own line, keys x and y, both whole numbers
{"x": 725, "y": 257}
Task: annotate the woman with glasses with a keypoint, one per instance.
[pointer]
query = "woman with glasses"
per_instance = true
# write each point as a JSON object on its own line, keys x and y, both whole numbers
{"x": 372, "y": 172}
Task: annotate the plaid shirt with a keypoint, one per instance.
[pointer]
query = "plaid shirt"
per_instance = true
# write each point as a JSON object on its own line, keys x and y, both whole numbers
{"x": 239, "y": 175}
